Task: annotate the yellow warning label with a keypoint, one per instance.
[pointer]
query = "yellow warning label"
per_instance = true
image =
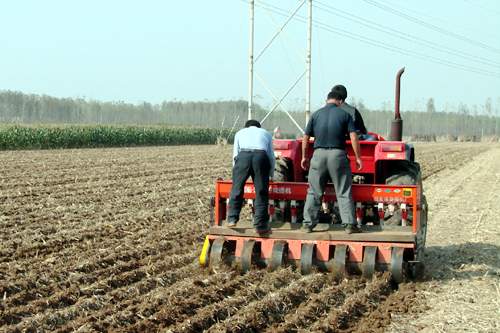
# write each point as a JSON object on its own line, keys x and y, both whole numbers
{"x": 407, "y": 192}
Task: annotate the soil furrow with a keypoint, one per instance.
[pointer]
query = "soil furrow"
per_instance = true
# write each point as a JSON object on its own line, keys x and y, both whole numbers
{"x": 355, "y": 306}
{"x": 41, "y": 224}
{"x": 104, "y": 292}
{"x": 207, "y": 316}
{"x": 180, "y": 303}
{"x": 171, "y": 244}
{"x": 273, "y": 307}
{"x": 66, "y": 288}
{"x": 316, "y": 306}
{"x": 99, "y": 236}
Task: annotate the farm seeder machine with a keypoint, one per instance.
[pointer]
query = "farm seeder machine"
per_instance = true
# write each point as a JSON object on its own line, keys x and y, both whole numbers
{"x": 390, "y": 207}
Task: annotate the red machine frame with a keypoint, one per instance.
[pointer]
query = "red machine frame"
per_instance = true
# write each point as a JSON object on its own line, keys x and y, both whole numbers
{"x": 386, "y": 194}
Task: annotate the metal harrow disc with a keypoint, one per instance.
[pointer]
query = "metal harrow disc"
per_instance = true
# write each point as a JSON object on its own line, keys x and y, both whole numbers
{"x": 339, "y": 259}
{"x": 397, "y": 264}
{"x": 216, "y": 252}
{"x": 306, "y": 258}
{"x": 368, "y": 265}
{"x": 278, "y": 255}
{"x": 246, "y": 255}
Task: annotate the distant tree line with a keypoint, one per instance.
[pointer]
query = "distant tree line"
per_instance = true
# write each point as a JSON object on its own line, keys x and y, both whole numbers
{"x": 20, "y": 108}
{"x": 472, "y": 123}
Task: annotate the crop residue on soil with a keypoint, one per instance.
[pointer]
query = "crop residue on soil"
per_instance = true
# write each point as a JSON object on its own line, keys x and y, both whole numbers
{"x": 106, "y": 239}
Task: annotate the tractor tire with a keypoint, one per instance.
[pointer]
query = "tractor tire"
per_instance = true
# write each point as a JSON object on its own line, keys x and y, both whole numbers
{"x": 417, "y": 271}
{"x": 422, "y": 233}
{"x": 406, "y": 173}
{"x": 283, "y": 173}
{"x": 282, "y": 170}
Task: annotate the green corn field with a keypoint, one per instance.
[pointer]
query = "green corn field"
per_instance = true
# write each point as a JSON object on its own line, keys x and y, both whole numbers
{"x": 50, "y": 137}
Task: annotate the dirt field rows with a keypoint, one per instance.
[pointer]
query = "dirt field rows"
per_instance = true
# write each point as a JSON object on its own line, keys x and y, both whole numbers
{"x": 107, "y": 240}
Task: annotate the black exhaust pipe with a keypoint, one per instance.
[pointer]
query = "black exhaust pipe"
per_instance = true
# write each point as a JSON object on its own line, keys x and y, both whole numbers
{"x": 397, "y": 123}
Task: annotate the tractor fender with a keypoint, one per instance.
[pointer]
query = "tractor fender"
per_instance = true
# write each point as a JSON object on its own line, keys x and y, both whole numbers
{"x": 394, "y": 151}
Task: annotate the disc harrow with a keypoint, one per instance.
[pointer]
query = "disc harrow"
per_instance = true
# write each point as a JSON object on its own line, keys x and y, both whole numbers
{"x": 340, "y": 258}
{"x": 328, "y": 248}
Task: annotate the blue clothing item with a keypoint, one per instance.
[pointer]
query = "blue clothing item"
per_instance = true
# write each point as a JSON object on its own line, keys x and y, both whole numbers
{"x": 254, "y": 138}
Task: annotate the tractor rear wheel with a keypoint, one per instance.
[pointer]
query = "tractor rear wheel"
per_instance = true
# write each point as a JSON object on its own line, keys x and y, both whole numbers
{"x": 407, "y": 173}
{"x": 283, "y": 173}
{"x": 282, "y": 170}
{"x": 422, "y": 233}
{"x": 404, "y": 173}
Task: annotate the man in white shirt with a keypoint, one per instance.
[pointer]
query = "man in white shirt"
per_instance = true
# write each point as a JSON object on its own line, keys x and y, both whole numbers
{"x": 253, "y": 156}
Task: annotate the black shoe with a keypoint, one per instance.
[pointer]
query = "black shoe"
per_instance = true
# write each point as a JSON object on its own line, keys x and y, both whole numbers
{"x": 305, "y": 228}
{"x": 308, "y": 228}
{"x": 263, "y": 231}
{"x": 352, "y": 229}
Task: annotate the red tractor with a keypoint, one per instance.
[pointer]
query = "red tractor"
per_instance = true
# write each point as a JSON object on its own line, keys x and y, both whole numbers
{"x": 390, "y": 207}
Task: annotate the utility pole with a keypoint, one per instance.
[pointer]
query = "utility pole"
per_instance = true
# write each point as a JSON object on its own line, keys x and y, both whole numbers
{"x": 308, "y": 61}
{"x": 250, "y": 59}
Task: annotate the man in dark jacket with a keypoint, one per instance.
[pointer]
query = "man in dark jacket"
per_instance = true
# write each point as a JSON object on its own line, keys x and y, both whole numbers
{"x": 329, "y": 126}
{"x": 359, "y": 124}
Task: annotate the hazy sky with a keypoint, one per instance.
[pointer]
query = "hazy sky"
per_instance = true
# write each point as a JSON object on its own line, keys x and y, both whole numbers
{"x": 194, "y": 50}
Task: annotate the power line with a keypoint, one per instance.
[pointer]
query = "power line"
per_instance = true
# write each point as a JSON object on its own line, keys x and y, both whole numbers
{"x": 279, "y": 31}
{"x": 405, "y": 36}
{"x": 431, "y": 26}
{"x": 379, "y": 44}
{"x": 463, "y": 25}
{"x": 483, "y": 8}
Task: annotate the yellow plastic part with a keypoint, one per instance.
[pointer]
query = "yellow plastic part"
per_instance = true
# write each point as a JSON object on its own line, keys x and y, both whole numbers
{"x": 204, "y": 252}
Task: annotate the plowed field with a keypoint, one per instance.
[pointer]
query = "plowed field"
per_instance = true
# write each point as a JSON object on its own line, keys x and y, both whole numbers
{"x": 107, "y": 240}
